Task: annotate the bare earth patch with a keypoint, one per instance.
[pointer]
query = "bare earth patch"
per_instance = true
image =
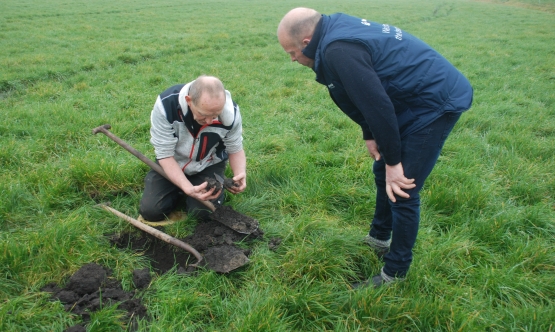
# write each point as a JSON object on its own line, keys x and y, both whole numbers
{"x": 93, "y": 287}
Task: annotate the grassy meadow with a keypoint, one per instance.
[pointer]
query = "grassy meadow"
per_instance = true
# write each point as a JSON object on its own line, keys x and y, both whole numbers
{"x": 484, "y": 259}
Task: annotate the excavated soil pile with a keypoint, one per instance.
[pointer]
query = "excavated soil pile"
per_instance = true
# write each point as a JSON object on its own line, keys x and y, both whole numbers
{"x": 211, "y": 239}
{"x": 93, "y": 287}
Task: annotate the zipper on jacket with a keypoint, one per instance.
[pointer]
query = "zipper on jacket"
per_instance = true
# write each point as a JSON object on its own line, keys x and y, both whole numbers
{"x": 191, "y": 152}
{"x": 203, "y": 151}
{"x": 195, "y": 139}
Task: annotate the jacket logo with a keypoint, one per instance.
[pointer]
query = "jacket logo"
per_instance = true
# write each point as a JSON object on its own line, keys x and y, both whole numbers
{"x": 365, "y": 22}
{"x": 398, "y": 32}
{"x": 331, "y": 86}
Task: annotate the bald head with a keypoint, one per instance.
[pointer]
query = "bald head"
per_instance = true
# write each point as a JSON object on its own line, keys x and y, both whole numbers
{"x": 297, "y": 24}
{"x": 295, "y": 32}
{"x": 206, "y": 99}
{"x": 210, "y": 86}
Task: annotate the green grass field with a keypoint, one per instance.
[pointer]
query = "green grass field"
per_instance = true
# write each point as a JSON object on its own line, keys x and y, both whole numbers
{"x": 484, "y": 259}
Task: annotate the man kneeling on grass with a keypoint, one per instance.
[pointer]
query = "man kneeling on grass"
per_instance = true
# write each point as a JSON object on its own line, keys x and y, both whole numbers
{"x": 195, "y": 129}
{"x": 405, "y": 96}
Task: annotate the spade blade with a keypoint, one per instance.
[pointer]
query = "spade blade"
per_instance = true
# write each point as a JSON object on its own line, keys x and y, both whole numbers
{"x": 224, "y": 259}
{"x": 238, "y": 222}
{"x": 219, "y": 179}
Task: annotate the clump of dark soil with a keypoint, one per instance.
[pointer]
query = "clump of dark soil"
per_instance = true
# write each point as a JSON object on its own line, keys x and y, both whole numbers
{"x": 93, "y": 287}
{"x": 274, "y": 244}
{"x": 213, "y": 183}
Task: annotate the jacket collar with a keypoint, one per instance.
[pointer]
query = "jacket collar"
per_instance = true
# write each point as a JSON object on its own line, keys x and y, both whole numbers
{"x": 310, "y": 50}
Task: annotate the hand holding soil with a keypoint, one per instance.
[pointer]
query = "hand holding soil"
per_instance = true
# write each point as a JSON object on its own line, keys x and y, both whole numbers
{"x": 205, "y": 192}
{"x": 237, "y": 184}
{"x": 228, "y": 183}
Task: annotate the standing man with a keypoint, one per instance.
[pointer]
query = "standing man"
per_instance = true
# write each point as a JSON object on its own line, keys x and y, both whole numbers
{"x": 405, "y": 96}
{"x": 195, "y": 129}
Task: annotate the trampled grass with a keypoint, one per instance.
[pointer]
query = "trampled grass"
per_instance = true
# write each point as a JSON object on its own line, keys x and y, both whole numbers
{"x": 484, "y": 257}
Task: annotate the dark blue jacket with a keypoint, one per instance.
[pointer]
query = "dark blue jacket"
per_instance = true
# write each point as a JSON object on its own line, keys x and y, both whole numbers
{"x": 421, "y": 84}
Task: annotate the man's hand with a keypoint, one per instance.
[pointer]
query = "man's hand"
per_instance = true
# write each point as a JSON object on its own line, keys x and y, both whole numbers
{"x": 238, "y": 164}
{"x": 395, "y": 182}
{"x": 241, "y": 181}
{"x": 200, "y": 193}
{"x": 176, "y": 176}
{"x": 373, "y": 149}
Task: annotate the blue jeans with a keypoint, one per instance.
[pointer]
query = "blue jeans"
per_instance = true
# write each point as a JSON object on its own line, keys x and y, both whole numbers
{"x": 399, "y": 221}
